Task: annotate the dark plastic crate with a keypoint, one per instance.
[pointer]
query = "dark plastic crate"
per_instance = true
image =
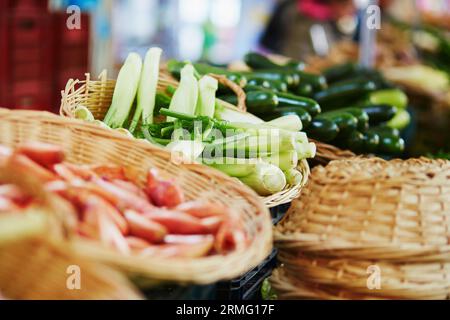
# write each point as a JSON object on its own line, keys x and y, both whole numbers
{"x": 278, "y": 212}
{"x": 248, "y": 286}
{"x": 177, "y": 292}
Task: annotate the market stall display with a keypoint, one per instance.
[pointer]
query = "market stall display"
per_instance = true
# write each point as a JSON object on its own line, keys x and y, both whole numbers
{"x": 361, "y": 216}
{"x": 200, "y": 185}
{"x": 179, "y": 165}
{"x": 346, "y": 105}
{"x": 391, "y": 61}
{"x": 414, "y": 57}
{"x": 268, "y": 156}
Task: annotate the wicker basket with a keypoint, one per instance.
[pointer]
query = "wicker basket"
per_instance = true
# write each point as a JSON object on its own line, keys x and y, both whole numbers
{"x": 361, "y": 212}
{"x": 88, "y": 143}
{"x": 372, "y": 205}
{"x": 326, "y": 153}
{"x": 290, "y": 288}
{"x": 397, "y": 280}
{"x": 96, "y": 95}
{"x": 35, "y": 254}
{"x": 36, "y": 268}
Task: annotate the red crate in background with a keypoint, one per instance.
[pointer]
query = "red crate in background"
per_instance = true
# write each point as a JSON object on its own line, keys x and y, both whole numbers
{"x": 3, "y": 49}
{"x": 35, "y": 95}
{"x": 38, "y": 54}
{"x": 71, "y": 48}
{"x": 19, "y": 4}
{"x": 26, "y": 59}
{"x": 71, "y": 37}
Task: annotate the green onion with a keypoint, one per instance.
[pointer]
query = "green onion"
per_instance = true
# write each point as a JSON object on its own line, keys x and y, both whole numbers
{"x": 293, "y": 176}
{"x": 305, "y": 150}
{"x": 83, "y": 113}
{"x": 124, "y": 132}
{"x": 290, "y": 122}
{"x": 101, "y": 124}
{"x": 256, "y": 146}
{"x": 185, "y": 151}
{"x": 124, "y": 92}
{"x": 227, "y": 114}
{"x": 266, "y": 179}
{"x": 234, "y": 167}
{"x": 157, "y": 141}
{"x": 300, "y": 137}
{"x": 284, "y": 160}
{"x": 177, "y": 115}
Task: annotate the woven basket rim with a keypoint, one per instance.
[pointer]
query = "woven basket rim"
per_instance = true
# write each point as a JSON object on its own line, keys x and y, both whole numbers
{"x": 203, "y": 270}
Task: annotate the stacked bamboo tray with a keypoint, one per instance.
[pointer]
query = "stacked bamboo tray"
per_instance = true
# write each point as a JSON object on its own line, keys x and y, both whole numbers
{"x": 368, "y": 229}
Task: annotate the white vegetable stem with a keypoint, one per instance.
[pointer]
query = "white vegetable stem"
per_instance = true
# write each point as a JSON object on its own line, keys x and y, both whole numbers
{"x": 125, "y": 91}
{"x": 185, "y": 97}
{"x": 290, "y": 122}
{"x": 207, "y": 96}
{"x": 227, "y": 114}
{"x": 185, "y": 151}
{"x": 147, "y": 88}
{"x": 83, "y": 113}
{"x": 305, "y": 150}
{"x": 293, "y": 176}
{"x": 266, "y": 179}
{"x": 284, "y": 160}
{"x": 234, "y": 167}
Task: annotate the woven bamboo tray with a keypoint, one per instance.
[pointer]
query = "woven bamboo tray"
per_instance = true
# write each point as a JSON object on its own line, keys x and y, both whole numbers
{"x": 35, "y": 254}
{"x": 397, "y": 280}
{"x": 96, "y": 95}
{"x": 290, "y": 288}
{"x": 359, "y": 213}
{"x": 88, "y": 143}
{"x": 372, "y": 208}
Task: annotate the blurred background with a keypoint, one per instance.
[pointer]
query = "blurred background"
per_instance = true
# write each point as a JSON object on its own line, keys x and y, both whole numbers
{"x": 39, "y": 53}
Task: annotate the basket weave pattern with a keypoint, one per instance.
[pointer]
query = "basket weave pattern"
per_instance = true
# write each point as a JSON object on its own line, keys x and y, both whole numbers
{"x": 35, "y": 259}
{"x": 86, "y": 143}
{"x": 36, "y": 268}
{"x": 326, "y": 153}
{"x": 361, "y": 212}
{"x": 96, "y": 95}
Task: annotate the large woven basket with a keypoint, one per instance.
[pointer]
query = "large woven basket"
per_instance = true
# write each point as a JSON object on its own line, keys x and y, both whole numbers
{"x": 365, "y": 206}
{"x": 96, "y": 95}
{"x": 36, "y": 255}
{"x": 359, "y": 213}
{"x": 88, "y": 143}
{"x": 327, "y": 152}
